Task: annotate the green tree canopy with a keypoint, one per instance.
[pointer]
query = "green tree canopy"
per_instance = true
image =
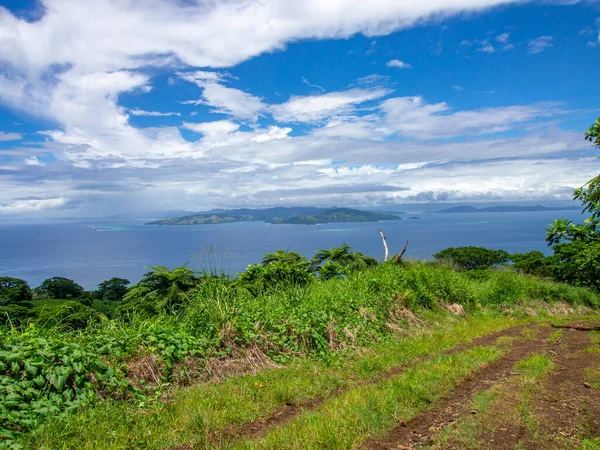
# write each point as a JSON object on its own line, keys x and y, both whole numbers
{"x": 61, "y": 288}
{"x": 577, "y": 246}
{"x": 472, "y": 258}
{"x": 14, "y": 290}
{"x": 160, "y": 289}
{"x": 340, "y": 261}
{"x": 113, "y": 289}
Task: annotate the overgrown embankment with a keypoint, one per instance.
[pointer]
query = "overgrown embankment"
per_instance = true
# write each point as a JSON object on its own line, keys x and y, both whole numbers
{"x": 122, "y": 368}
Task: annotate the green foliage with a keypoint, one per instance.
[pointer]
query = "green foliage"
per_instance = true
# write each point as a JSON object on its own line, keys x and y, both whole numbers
{"x": 576, "y": 246}
{"x": 340, "y": 261}
{"x": 472, "y": 258}
{"x": 59, "y": 287}
{"x": 16, "y": 313}
{"x": 284, "y": 320}
{"x": 67, "y": 315}
{"x": 161, "y": 289}
{"x": 286, "y": 257}
{"x": 42, "y": 375}
{"x": 259, "y": 278}
{"x": 113, "y": 289}
{"x": 534, "y": 263}
{"x": 14, "y": 290}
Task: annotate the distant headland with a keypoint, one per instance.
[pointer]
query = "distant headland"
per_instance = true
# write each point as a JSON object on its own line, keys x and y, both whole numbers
{"x": 291, "y": 215}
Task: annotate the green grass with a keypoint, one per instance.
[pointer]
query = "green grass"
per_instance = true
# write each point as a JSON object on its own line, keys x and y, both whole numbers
{"x": 504, "y": 407}
{"x": 555, "y": 336}
{"x": 316, "y": 322}
{"x": 344, "y": 421}
{"x": 240, "y": 399}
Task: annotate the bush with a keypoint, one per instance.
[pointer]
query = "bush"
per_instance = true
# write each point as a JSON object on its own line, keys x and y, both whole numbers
{"x": 261, "y": 278}
{"x": 60, "y": 288}
{"x": 68, "y": 315}
{"x": 472, "y": 258}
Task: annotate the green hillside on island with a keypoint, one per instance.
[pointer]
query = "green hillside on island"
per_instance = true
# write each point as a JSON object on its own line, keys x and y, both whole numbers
{"x": 292, "y": 215}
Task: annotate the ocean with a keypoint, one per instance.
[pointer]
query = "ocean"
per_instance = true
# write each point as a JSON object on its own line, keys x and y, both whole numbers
{"x": 91, "y": 251}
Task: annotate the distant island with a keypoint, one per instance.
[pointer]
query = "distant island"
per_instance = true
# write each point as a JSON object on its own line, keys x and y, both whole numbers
{"x": 504, "y": 209}
{"x": 292, "y": 215}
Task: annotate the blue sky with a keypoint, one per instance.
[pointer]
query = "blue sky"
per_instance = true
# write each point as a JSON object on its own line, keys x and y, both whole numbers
{"x": 112, "y": 107}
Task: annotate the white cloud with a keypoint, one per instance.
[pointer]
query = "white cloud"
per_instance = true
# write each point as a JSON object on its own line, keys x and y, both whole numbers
{"x": 508, "y": 47}
{"x": 503, "y": 38}
{"x": 413, "y": 117}
{"x": 215, "y": 128}
{"x": 398, "y": 64}
{"x": 315, "y": 108}
{"x": 141, "y": 112}
{"x": 4, "y": 137}
{"x": 457, "y": 88}
{"x": 539, "y": 44}
{"x": 72, "y": 65}
{"x": 32, "y": 205}
{"x": 488, "y": 48}
{"x": 224, "y": 100}
{"x": 308, "y": 83}
{"x": 33, "y": 161}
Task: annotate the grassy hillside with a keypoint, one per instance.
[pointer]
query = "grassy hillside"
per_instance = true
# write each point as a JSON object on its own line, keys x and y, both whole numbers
{"x": 113, "y": 375}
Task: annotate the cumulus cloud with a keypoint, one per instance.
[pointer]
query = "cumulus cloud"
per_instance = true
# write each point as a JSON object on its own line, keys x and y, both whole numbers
{"x": 488, "y": 48}
{"x": 503, "y": 38}
{"x": 539, "y": 44}
{"x": 398, "y": 64}
{"x": 33, "y": 161}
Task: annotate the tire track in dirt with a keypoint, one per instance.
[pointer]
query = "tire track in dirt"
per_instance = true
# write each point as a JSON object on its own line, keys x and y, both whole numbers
{"x": 419, "y": 430}
{"x": 568, "y": 407}
{"x": 287, "y": 412}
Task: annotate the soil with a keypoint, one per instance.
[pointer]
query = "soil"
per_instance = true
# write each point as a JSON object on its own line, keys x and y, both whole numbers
{"x": 567, "y": 409}
{"x": 420, "y": 430}
{"x": 287, "y": 412}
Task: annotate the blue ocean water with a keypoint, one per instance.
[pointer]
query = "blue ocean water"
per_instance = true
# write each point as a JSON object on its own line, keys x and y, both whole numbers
{"x": 95, "y": 250}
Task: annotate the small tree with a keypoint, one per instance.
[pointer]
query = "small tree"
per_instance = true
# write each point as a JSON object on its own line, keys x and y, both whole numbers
{"x": 577, "y": 246}
{"x": 14, "y": 290}
{"x": 15, "y": 300}
{"x": 160, "y": 289}
{"x": 472, "y": 258}
{"x": 113, "y": 289}
{"x": 60, "y": 288}
{"x": 340, "y": 261}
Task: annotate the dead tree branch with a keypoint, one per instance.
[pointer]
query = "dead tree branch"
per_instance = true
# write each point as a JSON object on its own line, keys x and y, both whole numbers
{"x": 399, "y": 256}
{"x": 385, "y": 246}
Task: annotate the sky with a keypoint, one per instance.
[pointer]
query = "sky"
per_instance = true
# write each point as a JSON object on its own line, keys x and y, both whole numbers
{"x": 112, "y": 107}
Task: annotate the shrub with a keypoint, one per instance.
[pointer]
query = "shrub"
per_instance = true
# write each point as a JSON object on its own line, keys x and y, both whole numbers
{"x": 67, "y": 315}
{"x": 471, "y": 258}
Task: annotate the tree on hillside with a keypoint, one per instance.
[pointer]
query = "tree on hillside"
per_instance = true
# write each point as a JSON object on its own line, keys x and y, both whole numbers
{"x": 577, "y": 246}
{"x": 113, "y": 289}
{"x": 340, "y": 261}
{"x": 160, "y": 289}
{"x": 472, "y": 258}
{"x": 286, "y": 257}
{"x": 61, "y": 288}
{"x": 14, "y": 290}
